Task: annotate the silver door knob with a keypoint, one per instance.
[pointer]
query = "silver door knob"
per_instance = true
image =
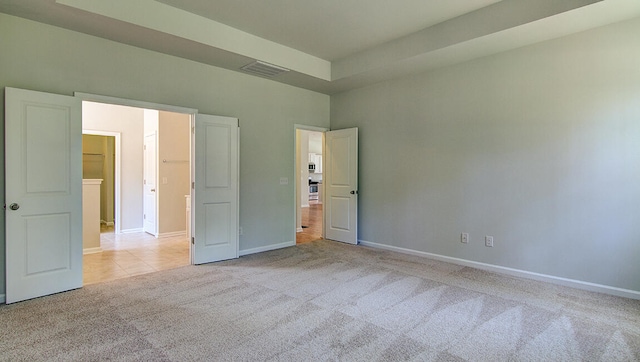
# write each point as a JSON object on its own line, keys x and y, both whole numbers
{"x": 14, "y": 206}
{"x": 153, "y": 190}
{"x": 353, "y": 192}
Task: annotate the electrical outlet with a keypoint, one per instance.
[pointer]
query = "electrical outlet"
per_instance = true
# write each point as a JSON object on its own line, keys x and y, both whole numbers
{"x": 464, "y": 238}
{"x": 488, "y": 241}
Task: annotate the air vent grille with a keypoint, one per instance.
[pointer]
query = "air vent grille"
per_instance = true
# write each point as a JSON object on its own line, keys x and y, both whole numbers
{"x": 264, "y": 69}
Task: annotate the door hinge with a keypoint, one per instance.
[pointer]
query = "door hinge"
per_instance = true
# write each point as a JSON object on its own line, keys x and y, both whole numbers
{"x": 144, "y": 147}
{"x": 144, "y": 216}
{"x": 193, "y": 185}
{"x": 193, "y": 240}
{"x": 193, "y": 130}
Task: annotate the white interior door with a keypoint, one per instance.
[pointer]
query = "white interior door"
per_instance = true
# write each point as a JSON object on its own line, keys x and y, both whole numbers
{"x": 215, "y": 194}
{"x": 341, "y": 185}
{"x": 43, "y": 165}
{"x": 150, "y": 223}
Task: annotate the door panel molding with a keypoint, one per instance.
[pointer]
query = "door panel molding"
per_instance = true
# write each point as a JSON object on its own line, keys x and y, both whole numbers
{"x": 215, "y": 196}
{"x": 43, "y": 159}
{"x": 341, "y": 185}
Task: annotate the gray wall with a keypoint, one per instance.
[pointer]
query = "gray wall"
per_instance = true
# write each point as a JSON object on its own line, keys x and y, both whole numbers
{"x": 538, "y": 147}
{"x": 45, "y": 58}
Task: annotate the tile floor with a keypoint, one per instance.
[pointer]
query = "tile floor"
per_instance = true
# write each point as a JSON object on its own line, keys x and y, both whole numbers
{"x": 125, "y": 255}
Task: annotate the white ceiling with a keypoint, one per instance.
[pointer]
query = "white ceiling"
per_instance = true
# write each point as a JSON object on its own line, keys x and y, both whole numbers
{"x": 330, "y": 29}
{"x": 330, "y": 46}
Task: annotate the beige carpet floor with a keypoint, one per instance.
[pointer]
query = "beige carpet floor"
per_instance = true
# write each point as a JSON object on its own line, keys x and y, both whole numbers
{"x": 322, "y": 301}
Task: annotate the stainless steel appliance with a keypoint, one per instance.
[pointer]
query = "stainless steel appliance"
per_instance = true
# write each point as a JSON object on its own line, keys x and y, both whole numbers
{"x": 313, "y": 190}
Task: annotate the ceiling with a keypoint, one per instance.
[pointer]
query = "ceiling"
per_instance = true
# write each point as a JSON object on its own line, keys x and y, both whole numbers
{"x": 329, "y": 46}
{"x": 330, "y": 29}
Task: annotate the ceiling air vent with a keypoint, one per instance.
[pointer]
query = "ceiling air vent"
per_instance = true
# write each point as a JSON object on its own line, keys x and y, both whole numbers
{"x": 264, "y": 69}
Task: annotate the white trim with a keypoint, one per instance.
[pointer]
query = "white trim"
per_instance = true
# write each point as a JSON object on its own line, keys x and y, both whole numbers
{"x": 95, "y": 250}
{"x": 131, "y": 231}
{"x": 262, "y": 249}
{"x": 160, "y": 107}
{"x": 296, "y": 177}
{"x": 578, "y": 284}
{"x": 117, "y": 173}
{"x": 172, "y": 234}
{"x": 133, "y": 103}
{"x": 91, "y": 181}
{"x": 3, "y": 298}
{"x": 299, "y": 230}
{"x": 310, "y": 128}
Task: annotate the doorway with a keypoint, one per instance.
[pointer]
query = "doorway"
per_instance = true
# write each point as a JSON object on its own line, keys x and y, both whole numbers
{"x": 127, "y": 244}
{"x": 52, "y": 207}
{"x": 309, "y": 190}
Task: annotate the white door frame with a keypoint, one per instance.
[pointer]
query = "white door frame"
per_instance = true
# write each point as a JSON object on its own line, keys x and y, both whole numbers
{"x": 116, "y": 175}
{"x": 296, "y": 185}
{"x": 156, "y": 191}
{"x": 146, "y": 105}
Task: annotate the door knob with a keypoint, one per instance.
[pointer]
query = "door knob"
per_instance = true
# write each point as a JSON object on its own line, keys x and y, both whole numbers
{"x": 353, "y": 192}
{"x": 14, "y": 206}
{"x": 153, "y": 190}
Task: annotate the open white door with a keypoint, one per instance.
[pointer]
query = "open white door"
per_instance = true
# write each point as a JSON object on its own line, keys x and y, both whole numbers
{"x": 150, "y": 224}
{"x": 43, "y": 165}
{"x": 341, "y": 185}
{"x": 215, "y": 194}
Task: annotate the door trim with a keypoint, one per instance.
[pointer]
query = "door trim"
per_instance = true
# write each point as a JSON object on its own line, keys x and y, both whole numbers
{"x": 116, "y": 175}
{"x": 133, "y": 103}
{"x": 192, "y": 112}
{"x": 296, "y": 178}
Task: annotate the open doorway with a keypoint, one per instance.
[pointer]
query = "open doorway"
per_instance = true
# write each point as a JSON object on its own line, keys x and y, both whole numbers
{"x": 54, "y": 179}
{"x": 114, "y": 142}
{"x": 310, "y": 195}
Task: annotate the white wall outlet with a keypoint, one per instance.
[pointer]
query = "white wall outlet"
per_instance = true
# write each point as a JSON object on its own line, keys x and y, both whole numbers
{"x": 464, "y": 238}
{"x": 488, "y": 241}
{"x": 284, "y": 180}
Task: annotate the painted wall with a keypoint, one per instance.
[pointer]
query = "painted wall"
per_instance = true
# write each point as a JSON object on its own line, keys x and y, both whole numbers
{"x": 538, "y": 147}
{"x": 128, "y": 121}
{"x": 98, "y": 161}
{"x": 45, "y": 58}
{"x": 174, "y": 176}
{"x": 92, "y": 156}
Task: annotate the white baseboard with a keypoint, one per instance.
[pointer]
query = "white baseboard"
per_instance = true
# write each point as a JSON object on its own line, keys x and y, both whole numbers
{"x": 3, "y": 298}
{"x": 131, "y": 231}
{"x": 91, "y": 250}
{"x": 261, "y": 249}
{"x": 578, "y": 284}
{"x": 172, "y": 234}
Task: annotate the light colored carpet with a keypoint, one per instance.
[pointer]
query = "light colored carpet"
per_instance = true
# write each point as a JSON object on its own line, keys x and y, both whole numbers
{"x": 323, "y": 301}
